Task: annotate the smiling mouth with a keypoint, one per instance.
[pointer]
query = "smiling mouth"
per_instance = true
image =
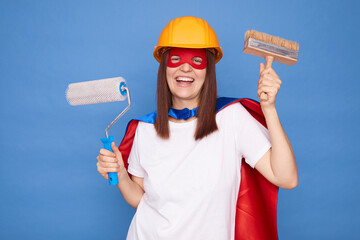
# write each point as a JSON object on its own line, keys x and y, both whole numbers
{"x": 185, "y": 79}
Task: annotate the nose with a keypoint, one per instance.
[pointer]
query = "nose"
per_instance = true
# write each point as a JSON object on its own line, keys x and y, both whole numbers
{"x": 185, "y": 67}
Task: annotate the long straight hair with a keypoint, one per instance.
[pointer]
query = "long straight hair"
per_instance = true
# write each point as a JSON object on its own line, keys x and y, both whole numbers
{"x": 206, "y": 113}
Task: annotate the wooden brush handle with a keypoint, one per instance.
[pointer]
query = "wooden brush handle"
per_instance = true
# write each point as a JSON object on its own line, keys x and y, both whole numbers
{"x": 268, "y": 63}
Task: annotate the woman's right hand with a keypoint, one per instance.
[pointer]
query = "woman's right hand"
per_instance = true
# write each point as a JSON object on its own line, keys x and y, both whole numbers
{"x": 110, "y": 162}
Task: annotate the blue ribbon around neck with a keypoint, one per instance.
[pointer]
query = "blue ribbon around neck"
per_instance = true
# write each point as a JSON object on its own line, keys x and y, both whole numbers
{"x": 183, "y": 113}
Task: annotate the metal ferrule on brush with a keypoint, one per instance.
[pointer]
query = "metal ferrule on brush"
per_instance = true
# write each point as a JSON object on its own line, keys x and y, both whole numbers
{"x": 262, "y": 49}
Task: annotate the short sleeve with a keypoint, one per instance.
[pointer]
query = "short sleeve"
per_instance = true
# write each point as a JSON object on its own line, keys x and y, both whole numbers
{"x": 135, "y": 167}
{"x": 252, "y": 138}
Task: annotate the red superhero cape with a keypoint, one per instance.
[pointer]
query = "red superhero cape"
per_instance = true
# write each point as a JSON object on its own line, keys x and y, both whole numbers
{"x": 257, "y": 199}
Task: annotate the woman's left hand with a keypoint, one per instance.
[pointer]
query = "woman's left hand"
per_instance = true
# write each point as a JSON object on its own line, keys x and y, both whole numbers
{"x": 268, "y": 85}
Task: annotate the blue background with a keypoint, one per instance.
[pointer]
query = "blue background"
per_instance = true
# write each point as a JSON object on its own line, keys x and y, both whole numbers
{"x": 49, "y": 185}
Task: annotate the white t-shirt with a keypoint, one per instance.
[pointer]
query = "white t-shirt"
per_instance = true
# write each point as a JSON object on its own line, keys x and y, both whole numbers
{"x": 191, "y": 187}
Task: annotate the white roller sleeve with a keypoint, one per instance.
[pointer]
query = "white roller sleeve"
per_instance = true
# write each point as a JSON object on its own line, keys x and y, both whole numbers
{"x": 96, "y": 91}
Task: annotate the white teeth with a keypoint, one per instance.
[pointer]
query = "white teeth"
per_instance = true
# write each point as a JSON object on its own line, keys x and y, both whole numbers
{"x": 184, "y": 79}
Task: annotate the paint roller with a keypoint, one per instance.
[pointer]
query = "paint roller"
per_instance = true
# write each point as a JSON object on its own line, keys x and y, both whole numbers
{"x": 101, "y": 91}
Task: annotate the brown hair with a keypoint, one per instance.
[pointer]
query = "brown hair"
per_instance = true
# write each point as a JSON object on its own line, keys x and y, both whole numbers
{"x": 207, "y": 103}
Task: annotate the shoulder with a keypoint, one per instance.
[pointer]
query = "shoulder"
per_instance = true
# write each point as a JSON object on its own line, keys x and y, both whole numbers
{"x": 149, "y": 118}
{"x": 223, "y": 103}
{"x": 245, "y": 106}
{"x": 236, "y": 114}
{"x": 235, "y": 108}
{"x": 145, "y": 127}
{"x": 138, "y": 129}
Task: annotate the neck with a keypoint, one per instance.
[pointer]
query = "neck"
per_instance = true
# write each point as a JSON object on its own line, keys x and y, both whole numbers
{"x": 181, "y": 104}
{"x": 181, "y": 120}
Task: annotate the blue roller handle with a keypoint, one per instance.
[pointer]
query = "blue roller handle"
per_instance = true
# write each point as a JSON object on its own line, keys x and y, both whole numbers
{"x": 113, "y": 177}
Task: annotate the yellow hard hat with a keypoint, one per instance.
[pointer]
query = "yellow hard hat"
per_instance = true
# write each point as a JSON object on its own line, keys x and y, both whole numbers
{"x": 188, "y": 32}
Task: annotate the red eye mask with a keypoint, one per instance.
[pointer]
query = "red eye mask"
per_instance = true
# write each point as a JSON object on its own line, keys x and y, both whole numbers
{"x": 186, "y": 56}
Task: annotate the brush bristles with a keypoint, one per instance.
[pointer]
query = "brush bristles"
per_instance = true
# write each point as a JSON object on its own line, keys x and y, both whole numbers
{"x": 271, "y": 39}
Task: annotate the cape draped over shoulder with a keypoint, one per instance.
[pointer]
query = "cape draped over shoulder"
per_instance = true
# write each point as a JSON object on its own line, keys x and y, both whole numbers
{"x": 257, "y": 198}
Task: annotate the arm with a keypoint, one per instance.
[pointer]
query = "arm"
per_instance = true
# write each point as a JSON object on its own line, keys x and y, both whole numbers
{"x": 278, "y": 165}
{"x": 131, "y": 189}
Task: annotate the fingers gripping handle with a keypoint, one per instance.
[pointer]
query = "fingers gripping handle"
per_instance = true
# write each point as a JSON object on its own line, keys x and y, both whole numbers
{"x": 113, "y": 177}
{"x": 268, "y": 63}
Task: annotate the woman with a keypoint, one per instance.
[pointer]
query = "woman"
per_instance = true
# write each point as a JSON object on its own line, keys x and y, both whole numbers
{"x": 185, "y": 168}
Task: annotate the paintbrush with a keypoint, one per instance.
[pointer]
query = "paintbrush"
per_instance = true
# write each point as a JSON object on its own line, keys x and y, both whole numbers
{"x": 271, "y": 48}
{"x": 263, "y": 45}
